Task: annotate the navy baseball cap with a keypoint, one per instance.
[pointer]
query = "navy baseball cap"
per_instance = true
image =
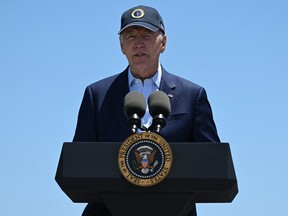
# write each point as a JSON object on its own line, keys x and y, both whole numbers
{"x": 144, "y": 16}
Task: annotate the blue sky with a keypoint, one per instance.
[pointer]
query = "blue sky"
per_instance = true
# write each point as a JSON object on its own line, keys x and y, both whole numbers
{"x": 51, "y": 50}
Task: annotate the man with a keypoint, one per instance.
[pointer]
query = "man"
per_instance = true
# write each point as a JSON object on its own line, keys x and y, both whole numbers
{"x": 101, "y": 115}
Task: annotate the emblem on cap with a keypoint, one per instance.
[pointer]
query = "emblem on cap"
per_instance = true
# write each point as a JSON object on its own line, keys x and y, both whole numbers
{"x": 137, "y": 13}
{"x": 145, "y": 159}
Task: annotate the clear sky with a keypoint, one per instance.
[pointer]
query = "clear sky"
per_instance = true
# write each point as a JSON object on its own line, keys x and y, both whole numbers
{"x": 51, "y": 50}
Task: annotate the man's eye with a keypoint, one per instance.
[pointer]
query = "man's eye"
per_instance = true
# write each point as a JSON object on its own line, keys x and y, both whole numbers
{"x": 130, "y": 36}
{"x": 148, "y": 36}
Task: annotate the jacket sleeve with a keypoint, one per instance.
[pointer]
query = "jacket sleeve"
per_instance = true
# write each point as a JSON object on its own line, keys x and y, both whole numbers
{"x": 86, "y": 123}
{"x": 204, "y": 128}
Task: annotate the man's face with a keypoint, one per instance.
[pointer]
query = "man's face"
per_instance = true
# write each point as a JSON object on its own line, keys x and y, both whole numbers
{"x": 142, "y": 48}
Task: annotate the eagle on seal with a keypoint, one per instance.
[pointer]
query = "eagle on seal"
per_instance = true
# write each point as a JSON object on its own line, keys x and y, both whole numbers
{"x": 145, "y": 160}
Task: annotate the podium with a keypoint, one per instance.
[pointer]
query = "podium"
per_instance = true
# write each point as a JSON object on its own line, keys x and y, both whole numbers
{"x": 200, "y": 173}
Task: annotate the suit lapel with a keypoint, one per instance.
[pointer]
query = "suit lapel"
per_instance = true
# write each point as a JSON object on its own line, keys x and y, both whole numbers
{"x": 168, "y": 86}
{"x": 118, "y": 91}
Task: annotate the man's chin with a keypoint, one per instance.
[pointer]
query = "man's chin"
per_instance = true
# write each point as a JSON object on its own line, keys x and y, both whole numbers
{"x": 139, "y": 63}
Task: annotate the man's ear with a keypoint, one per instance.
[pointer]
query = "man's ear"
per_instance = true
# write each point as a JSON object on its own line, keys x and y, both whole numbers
{"x": 121, "y": 45}
{"x": 164, "y": 42}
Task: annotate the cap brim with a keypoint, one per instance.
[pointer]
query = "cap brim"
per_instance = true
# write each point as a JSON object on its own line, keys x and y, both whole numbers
{"x": 142, "y": 24}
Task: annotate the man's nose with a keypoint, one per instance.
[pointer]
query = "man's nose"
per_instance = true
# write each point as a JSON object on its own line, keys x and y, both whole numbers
{"x": 139, "y": 42}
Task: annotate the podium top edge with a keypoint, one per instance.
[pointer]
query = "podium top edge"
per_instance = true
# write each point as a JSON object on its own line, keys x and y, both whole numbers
{"x": 184, "y": 143}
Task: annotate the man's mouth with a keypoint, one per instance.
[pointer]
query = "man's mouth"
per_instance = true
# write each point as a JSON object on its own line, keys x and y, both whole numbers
{"x": 140, "y": 54}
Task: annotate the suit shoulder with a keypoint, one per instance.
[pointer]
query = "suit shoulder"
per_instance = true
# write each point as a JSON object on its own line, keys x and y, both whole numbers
{"x": 182, "y": 82}
{"x": 103, "y": 82}
{"x": 119, "y": 79}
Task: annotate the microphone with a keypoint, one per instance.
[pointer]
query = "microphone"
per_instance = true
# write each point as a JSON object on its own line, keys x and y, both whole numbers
{"x": 159, "y": 108}
{"x": 134, "y": 109}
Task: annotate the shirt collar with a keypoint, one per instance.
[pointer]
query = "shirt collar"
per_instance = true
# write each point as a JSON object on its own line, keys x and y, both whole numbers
{"x": 156, "y": 78}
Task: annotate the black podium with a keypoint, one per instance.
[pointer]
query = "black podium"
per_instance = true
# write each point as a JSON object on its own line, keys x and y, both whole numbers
{"x": 200, "y": 173}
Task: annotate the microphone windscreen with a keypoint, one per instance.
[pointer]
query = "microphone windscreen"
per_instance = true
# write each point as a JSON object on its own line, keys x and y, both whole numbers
{"x": 159, "y": 103}
{"x": 134, "y": 103}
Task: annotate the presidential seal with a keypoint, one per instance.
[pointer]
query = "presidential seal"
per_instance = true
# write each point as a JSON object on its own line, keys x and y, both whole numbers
{"x": 145, "y": 159}
{"x": 137, "y": 13}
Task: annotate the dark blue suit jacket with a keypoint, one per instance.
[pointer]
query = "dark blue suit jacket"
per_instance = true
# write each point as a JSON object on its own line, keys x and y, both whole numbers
{"x": 101, "y": 115}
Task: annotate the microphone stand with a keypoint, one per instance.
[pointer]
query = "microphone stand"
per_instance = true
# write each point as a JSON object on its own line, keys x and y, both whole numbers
{"x": 159, "y": 122}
